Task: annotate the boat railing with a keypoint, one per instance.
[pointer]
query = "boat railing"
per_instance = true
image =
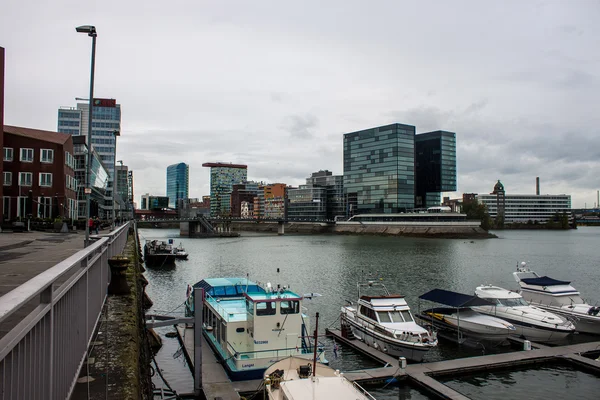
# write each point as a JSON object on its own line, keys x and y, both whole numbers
{"x": 361, "y": 389}
{"x": 277, "y": 353}
{"x": 226, "y": 314}
{"x": 406, "y": 336}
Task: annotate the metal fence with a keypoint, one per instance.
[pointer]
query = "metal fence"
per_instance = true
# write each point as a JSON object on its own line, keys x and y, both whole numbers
{"x": 40, "y": 358}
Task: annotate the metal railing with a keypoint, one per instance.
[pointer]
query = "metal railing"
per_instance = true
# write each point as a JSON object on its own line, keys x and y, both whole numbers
{"x": 40, "y": 358}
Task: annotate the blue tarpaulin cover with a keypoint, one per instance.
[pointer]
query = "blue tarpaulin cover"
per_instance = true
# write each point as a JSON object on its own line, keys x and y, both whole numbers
{"x": 544, "y": 281}
{"x": 454, "y": 299}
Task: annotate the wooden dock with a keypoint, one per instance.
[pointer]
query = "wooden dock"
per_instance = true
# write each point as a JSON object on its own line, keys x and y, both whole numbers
{"x": 423, "y": 374}
{"x": 215, "y": 381}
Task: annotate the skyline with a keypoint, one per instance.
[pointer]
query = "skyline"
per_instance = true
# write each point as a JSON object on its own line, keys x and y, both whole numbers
{"x": 275, "y": 86}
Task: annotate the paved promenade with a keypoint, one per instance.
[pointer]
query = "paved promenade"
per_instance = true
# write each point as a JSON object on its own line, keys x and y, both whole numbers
{"x": 25, "y": 255}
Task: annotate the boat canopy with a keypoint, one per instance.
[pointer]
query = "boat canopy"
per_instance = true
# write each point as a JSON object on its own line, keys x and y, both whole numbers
{"x": 454, "y": 299}
{"x": 544, "y": 281}
{"x": 228, "y": 287}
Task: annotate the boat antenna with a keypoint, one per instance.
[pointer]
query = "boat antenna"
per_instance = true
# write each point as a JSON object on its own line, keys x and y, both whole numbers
{"x": 315, "y": 344}
{"x": 247, "y": 279}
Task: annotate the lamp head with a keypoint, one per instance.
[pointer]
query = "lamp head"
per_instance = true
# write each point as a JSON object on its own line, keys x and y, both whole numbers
{"x": 89, "y": 29}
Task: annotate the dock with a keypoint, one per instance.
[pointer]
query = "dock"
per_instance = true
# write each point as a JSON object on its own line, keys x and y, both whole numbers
{"x": 215, "y": 382}
{"x": 423, "y": 374}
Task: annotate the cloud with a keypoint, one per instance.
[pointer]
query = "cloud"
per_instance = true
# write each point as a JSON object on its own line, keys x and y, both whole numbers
{"x": 300, "y": 126}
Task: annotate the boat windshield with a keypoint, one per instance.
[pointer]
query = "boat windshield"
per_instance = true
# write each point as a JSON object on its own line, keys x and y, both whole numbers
{"x": 519, "y": 301}
{"x": 401, "y": 316}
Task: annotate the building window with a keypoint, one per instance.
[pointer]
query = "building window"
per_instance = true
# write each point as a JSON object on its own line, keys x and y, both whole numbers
{"x": 44, "y": 207}
{"x": 7, "y": 178}
{"x": 6, "y": 208}
{"x": 47, "y": 156}
{"x": 26, "y": 155}
{"x": 22, "y": 207}
{"x": 45, "y": 179}
{"x": 25, "y": 178}
{"x": 8, "y": 154}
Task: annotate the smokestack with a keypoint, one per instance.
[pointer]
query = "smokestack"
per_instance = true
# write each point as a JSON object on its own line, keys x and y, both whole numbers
{"x": 537, "y": 185}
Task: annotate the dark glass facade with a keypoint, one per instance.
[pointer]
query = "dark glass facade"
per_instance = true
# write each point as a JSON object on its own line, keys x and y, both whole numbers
{"x": 435, "y": 167}
{"x": 307, "y": 203}
{"x": 379, "y": 171}
{"x": 178, "y": 181}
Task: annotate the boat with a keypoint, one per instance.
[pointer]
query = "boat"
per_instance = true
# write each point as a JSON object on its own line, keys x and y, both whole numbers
{"x": 459, "y": 322}
{"x": 531, "y": 322}
{"x": 295, "y": 378}
{"x": 180, "y": 253}
{"x": 158, "y": 253}
{"x": 558, "y": 297}
{"x": 385, "y": 322}
{"x": 250, "y": 326}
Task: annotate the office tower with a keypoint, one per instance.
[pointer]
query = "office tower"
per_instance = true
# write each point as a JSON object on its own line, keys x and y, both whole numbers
{"x": 379, "y": 172}
{"x": 106, "y": 127}
{"x": 222, "y": 178}
{"x": 178, "y": 183}
{"x": 435, "y": 167}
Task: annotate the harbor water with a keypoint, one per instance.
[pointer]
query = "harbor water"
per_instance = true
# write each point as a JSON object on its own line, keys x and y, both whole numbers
{"x": 333, "y": 264}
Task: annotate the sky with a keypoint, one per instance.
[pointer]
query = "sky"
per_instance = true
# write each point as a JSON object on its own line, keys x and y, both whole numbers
{"x": 275, "y": 84}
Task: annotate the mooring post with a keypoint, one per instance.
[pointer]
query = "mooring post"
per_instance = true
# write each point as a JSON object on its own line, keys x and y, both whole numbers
{"x": 198, "y": 312}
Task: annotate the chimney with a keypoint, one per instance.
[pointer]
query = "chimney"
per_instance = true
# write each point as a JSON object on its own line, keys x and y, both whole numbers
{"x": 537, "y": 185}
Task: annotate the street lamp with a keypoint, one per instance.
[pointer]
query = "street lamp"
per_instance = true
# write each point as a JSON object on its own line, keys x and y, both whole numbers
{"x": 91, "y": 32}
{"x": 114, "y": 186}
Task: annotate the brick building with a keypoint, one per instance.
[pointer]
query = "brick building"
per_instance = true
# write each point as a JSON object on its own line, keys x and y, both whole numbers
{"x": 38, "y": 172}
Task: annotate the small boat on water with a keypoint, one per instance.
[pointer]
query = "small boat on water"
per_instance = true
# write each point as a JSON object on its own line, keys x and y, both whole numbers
{"x": 385, "y": 322}
{"x": 158, "y": 253}
{"x": 558, "y": 297}
{"x": 180, "y": 253}
{"x": 531, "y": 322}
{"x": 295, "y": 378}
{"x": 459, "y": 322}
{"x": 250, "y": 326}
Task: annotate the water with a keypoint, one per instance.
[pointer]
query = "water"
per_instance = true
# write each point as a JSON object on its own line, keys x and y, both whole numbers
{"x": 333, "y": 264}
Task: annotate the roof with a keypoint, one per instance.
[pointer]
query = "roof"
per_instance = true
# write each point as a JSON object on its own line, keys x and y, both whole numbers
{"x": 544, "y": 281}
{"x": 218, "y": 164}
{"x": 47, "y": 136}
{"x": 228, "y": 287}
{"x": 453, "y": 299}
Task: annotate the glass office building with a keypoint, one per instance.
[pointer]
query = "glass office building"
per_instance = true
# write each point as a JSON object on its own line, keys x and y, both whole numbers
{"x": 435, "y": 167}
{"x": 307, "y": 203}
{"x": 178, "y": 182}
{"x": 379, "y": 169}
{"x": 222, "y": 178}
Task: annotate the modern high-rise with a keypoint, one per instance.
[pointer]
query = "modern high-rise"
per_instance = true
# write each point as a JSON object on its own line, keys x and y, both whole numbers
{"x": 222, "y": 178}
{"x": 322, "y": 198}
{"x": 379, "y": 169}
{"x": 435, "y": 167}
{"x": 178, "y": 183}
{"x": 106, "y": 127}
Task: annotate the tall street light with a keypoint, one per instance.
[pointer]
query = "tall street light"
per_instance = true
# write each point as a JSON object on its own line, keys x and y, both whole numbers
{"x": 114, "y": 186}
{"x": 91, "y": 32}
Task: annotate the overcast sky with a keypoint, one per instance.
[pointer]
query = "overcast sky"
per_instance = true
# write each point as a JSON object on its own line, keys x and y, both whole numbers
{"x": 275, "y": 84}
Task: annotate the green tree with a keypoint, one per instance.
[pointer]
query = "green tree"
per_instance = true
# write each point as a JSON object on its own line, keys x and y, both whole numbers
{"x": 475, "y": 210}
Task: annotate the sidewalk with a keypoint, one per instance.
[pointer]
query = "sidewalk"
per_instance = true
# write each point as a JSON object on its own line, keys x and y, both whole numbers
{"x": 25, "y": 255}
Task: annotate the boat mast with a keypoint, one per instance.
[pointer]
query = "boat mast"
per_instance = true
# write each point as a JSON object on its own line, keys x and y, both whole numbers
{"x": 315, "y": 345}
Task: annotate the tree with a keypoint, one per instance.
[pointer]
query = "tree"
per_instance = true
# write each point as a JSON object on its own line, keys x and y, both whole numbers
{"x": 475, "y": 210}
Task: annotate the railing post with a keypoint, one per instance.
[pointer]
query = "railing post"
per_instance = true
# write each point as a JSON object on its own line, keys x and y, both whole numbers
{"x": 198, "y": 313}
{"x": 46, "y": 298}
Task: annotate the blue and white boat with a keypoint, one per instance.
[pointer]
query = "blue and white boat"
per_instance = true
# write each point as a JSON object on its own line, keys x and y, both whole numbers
{"x": 250, "y": 327}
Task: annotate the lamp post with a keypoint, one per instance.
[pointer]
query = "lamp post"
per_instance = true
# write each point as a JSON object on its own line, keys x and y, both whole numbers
{"x": 91, "y": 32}
{"x": 114, "y": 185}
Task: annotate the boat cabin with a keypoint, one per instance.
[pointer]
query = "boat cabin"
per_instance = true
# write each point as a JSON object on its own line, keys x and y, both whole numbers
{"x": 385, "y": 309}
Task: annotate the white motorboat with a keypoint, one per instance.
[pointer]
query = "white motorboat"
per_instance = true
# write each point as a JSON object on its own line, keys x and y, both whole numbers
{"x": 461, "y": 323}
{"x": 531, "y": 322}
{"x": 386, "y": 323}
{"x": 180, "y": 253}
{"x": 558, "y": 297}
{"x": 294, "y": 378}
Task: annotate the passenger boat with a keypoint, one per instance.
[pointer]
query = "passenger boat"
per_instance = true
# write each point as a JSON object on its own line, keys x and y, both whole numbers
{"x": 558, "y": 297}
{"x": 531, "y": 322}
{"x": 459, "y": 322}
{"x": 250, "y": 327}
{"x": 296, "y": 378}
{"x": 158, "y": 253}
{"x": 386, "y": 323}
{"x": 180, "y": 253}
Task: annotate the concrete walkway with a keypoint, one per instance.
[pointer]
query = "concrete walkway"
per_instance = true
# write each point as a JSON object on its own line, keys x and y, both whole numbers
{"x": 26, "y": 254}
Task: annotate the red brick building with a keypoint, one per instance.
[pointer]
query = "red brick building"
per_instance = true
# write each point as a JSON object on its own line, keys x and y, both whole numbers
{"x": 38, "y": 172}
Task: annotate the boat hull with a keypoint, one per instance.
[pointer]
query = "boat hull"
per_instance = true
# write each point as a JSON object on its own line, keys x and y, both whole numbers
{"x": 396, "y": 348}
{"x": 584, "y": 323}
{"x": 159, "y": 260}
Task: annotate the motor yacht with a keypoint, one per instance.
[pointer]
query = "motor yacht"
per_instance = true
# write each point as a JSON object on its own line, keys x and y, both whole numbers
{"x": 385, "y": 322}
{"x": 459, "y": 322}
{"x": 531, "y": 322}
{"x": 558, "y": 297}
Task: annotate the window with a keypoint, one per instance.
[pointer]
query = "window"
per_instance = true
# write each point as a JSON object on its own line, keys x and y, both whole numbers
{"x": 6, "y": 208}
{"x": 289, "y": 307}
{"x": 45, "y": 179}
{"x": 25, "y": 178}
{"x": 22, "y": 207}
{"x": 27, "y": 155}
{"x": 8, "y": 154}
{"x": 7, "y": 178}
{"x": 44, "y": 208}
{"x": 47, "y": 155}
{"x": 265, "y": 308}
{"x": 384, "y": 316}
